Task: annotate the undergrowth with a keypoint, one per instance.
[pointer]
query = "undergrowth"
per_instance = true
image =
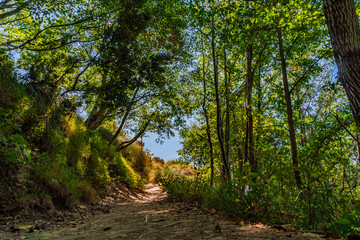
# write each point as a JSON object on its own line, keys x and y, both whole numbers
{"x": 257, "y": 201}
{"x": 49, "y": 159}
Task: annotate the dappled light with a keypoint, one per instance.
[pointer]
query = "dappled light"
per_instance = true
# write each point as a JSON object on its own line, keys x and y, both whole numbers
{"x": 151, "y": 216}
{"x": 261, "y": 98}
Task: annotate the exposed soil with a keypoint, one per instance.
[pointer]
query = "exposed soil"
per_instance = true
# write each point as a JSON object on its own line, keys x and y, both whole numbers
{"x": 148, "y": 215}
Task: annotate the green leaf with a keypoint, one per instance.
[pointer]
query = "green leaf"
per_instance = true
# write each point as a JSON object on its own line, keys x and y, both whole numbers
{"x": 345, "y": 221}
{"x": 252, "y": 175}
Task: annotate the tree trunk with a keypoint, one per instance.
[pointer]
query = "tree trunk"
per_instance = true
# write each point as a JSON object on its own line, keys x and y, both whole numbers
{"x": 249, "y": 116}
{"x": 289, "y": 111}
{"x": 227, "y": 110}
{"x": 125, "y": 144}
{"x": 246, "y": 143}
{"x": 302, "y": 116}
{"x": 259, "y": 126}
{"x": 123, "y": 120}
{"x": 208, "y": 130}
{"x": 98, "y": 113}
{"x": 356, "y": 180}
{"x": 344, "y": 29}
{"x": 219, "y": 125}
{"x": 96, "y": 117}
{"x": 238, "y": 149}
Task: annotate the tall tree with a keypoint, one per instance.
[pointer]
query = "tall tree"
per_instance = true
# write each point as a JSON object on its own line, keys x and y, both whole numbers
{"x": 219, "y": 122}
{"x": 289, "y": 111}
{"x": 249, "y": 123}
{"x": 344, "y": 29}
{"x": 208, "y": 128}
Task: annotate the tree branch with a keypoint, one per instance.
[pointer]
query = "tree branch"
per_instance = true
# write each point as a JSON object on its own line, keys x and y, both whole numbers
{"x": 308, "y": 70}
{"x": 125, "y": 144}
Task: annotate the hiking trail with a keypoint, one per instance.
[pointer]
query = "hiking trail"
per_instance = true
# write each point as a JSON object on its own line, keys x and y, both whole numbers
{"x": 147, "y": 215}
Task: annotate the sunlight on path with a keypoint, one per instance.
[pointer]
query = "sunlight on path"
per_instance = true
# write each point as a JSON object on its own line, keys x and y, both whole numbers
{"x": 150, "y": 216}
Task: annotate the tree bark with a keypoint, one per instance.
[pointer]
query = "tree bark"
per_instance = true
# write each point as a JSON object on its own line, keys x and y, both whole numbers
{"x": 96, "y": 117}
{"x": 98, "y": 113}
{"x": 344, "y": 30}
{"x": 219, "y": 125}
{"x": 208, "y": 130}
{"x": 289, "y": 111}
{"x": 18, "y": 9}
{"x": 227, "y": 109}
{"x": 249, "y": 115}
{"x": 238, "y": 147}
{"x": 246, "y": 142}
{"x": 125, "y": 144}
{"x": 124, "y": 118}
{"x": 356, "y": 180}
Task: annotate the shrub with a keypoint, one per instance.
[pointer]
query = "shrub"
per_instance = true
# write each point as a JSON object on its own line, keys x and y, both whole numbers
{"x": 120, "y": 168}
{"x": 87, "y": 193}
{"x": 49, "y": 157}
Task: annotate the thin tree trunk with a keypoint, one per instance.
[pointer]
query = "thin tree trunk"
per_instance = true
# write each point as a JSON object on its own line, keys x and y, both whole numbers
{"x": 118, "y": 131}
{"x": 225, "y": 164}
{"x": 344, "y": 30}
{"x": 123, "y": 120}
{"x": 289, "y": 111}
{"x": 250, "y": 121}
{"x": 98, "y": 113}
{"x": 302, "y": 126}
{"x": 357, "y": 161}
{"x": 227, "y": 110}
{"x": 90, "y": 119}
{"x": 259, "y": 105}
{"x": 246, "y": 143}
{"x": 96, "y": 117}
{"x": 238, "y": 146}
{"x": 208, "y": 130}
{"x": 259, "y": 115}
{"x": 124, "y": 145}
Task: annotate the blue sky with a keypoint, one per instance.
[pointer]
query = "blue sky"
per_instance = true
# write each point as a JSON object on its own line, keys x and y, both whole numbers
{"x": 167, "y": 150}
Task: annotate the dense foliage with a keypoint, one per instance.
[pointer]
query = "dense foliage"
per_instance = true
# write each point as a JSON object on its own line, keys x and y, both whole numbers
{"x": 49, "y": 159}
{"x": 70, "y": 72}
{"x": 263, "y": 111}
{"x": 272, "y": 131}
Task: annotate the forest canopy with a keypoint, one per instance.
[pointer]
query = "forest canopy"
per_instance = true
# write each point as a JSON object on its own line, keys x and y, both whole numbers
{"x": 265, "y": 95}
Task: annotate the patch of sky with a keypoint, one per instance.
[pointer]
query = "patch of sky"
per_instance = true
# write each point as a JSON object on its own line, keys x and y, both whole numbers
{"x": 166, "y": 148}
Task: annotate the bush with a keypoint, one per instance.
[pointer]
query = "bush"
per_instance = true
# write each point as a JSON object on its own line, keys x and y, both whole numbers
{"x": 87, "y": 193}
{"x": 49, "y": 157}
{"x": 244, "y": 198}
{"x": 121, "y": 169}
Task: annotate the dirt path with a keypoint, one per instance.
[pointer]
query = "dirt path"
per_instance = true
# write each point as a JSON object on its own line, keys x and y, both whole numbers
{"x": 150, "y": 216}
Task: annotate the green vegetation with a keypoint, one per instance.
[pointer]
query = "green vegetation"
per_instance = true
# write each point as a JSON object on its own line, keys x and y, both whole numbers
{"x": 272, "y": 135}
{"x": 49, "y": 158}
{"x": 80, "y": 83}
{"x": 265, "y": 96}
{"x": 242, "y": 199}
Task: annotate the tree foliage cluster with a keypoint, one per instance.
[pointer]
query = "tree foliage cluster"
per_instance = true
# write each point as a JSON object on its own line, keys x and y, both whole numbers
{"x": 76, "y": 77}
{"x": 272, "y": 132}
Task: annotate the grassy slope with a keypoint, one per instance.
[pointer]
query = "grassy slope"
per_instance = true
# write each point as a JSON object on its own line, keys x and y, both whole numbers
{"x": 49, "y": 159}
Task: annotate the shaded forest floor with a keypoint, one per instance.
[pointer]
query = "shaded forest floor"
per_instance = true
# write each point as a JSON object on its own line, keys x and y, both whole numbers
{"x": 125, "y": 214}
